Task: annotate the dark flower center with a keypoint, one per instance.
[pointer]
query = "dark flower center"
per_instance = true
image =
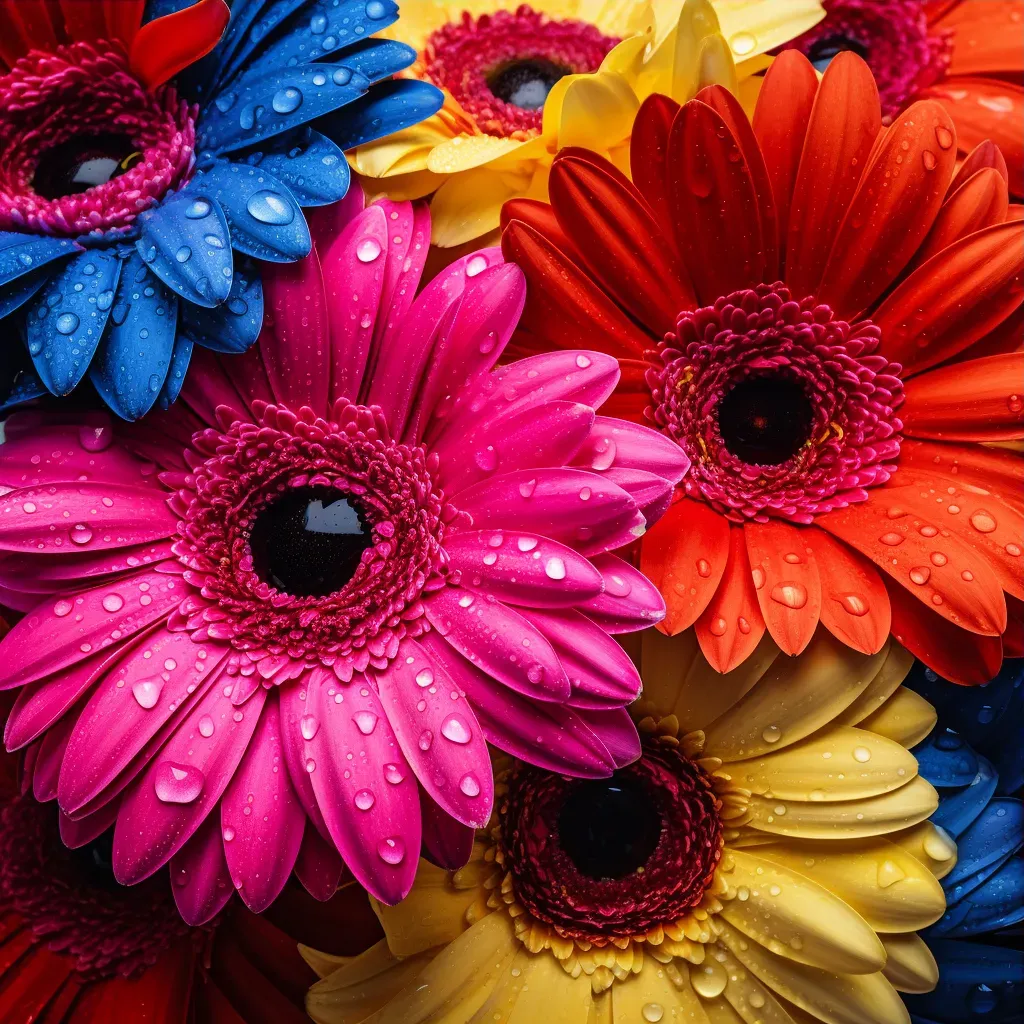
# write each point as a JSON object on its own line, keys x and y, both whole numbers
{"x": 81, "y": 163}
{"x": 525, "y": 83}
{"x": 609, "y": 827}
{"x": 309, "y": 542}
{"x": 823, "y": 50}
{"x": 765, "y": 421}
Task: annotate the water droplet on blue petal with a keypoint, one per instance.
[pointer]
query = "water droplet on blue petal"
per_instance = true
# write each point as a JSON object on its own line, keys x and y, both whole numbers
{"x": 287, "y": 100}
{"x": 270, "y": 208}
{"x": 342, "y": 76}
{"x": 200, "y": 208}
{"x": 67, "y": 323}
{"x": 376, "y": 10}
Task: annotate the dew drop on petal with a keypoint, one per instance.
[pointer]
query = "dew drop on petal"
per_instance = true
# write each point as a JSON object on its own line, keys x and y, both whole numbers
{"x": 62, "y": 608}
{"x": 363, "y": 800}
{"x": 982, "y": 521}
{"x": 789, "y": 594}
{"x": 470, "y": 785}
{"x": 854, "y": 604}
{"x": 308, "y": 726}
{"x": 112, "y": 602}
{"x": 554, "y": 568}
{"x": 367, "y": 250}
{"x": 177, "y": 783}
{"x": 424, "y": 677}
{"x": 393, "y": 774}
{"x": 147, "y": 692}
{"x": 391, "y": 851}
{"x": 366, "y": 721}
{"x": 206, "y": 727}
{"x": 771, "y": 734}
{"x": 920, "y": 575}
{"x": 456, "y": 729}
{"x": 476, "y": 265}
{"x": 652, "y": 1012}
{"x": 425, "y": 740}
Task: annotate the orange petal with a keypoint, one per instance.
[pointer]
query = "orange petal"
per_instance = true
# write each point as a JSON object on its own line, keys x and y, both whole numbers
{"x": 780, "y": 125}
{"x": 732, "y": 625}
{"x": 987, "y": 37}
{"x": 123, "y": 18}
{"x": 563, "y": 305}
{"x": 854, "y": 605}
{"x": 985, "y": 154}
{"x": 1015, "y": 212}
{"x": 684, "y": 555}
{"x": 648, "y": 152}
{"x": 942, "y": 571}
{"x": 979, "y": 203}
{"x": 978, "y": 400}
{"x": 714, "y": 204}
{"x": 785, "y": 575}
{"x": 621, "y": 245}
{"x": 845, "y": 121}
{"x": 994, "y": 469}
{"x": 893, "y": 209}
{"x": 169, "y": 44}
{"x": 1007, "y": 337}
{"x": 955, "y": 654}
{"x": 955, "y": 299}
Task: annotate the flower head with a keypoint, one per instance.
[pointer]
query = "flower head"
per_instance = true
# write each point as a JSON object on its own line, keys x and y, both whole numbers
{"x": 291, "y": 609}
{"x": 140, "y": 152}
{"x": 823, "y": 315}
{"x": 769, "y": 852}
{"x": 522, "y": 81}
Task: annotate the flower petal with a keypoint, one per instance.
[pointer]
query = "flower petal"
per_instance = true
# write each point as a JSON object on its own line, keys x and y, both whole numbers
{"x": 318, "y": 866}
{"x": 22, "y": 254}
{"x": 234, "y": 326}
{"x": 446, "y": 842}
{"x": 313, "y": 168}
{"x": 981, "y": 202}
{"x": 648, "y": 152}
{"x": 167, "y": 45}
{"x": 628, "y": 602}
{"x": 199, "y": 875}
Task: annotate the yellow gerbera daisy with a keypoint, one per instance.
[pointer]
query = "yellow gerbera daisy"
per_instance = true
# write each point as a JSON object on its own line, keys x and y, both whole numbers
{"x": 768, "y": 859}
{"x": 521, "y": 82}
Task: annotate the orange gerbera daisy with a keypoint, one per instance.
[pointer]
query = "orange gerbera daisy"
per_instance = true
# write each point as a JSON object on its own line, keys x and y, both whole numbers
{"x": 968, "y": 54}
{"x": 826, "y": 317}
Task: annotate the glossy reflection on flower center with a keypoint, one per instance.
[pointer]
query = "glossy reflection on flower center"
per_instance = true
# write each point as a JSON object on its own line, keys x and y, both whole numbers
{"x": 82, "y": 163}
{"x": 765, "y": 420}
{"x": 525, "y": 83}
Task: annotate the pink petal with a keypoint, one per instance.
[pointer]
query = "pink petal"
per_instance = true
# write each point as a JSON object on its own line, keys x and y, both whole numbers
{"x": 652, "y": 494}
{"x": 327, "y": 222}
{"x": 629, "y": 600}
{"x": 249, "y": 377}
{"x": 199, "y": 874}
{"x": 375, "y": 824}
{"x": 292, "y": 701}
{"x": 207, "y": 388}
{"x": 77, "y": 833}
{"x": 318, "y": 866}
{"x": 617, "y": 732}
{"x": 408, "y": 246}
{"x": 52, "y": 638}
{"x": 45, "y": 574}
{"x": 93, "y": 515}
{"x": 261, "y": 818}
{"x": 182, "y": 784}
{"x": 548, "y": 436}
{"x": 573, "y": 506}
{"x": 500, "y": 641}
{"x": 438, "y": 734}
{"x": 525, "y": 569}
{"x": 618, "y": 444}
{"x": 599, "y": 670}
{"x": 46, "y": 770}
{"x": 446, "y": 842}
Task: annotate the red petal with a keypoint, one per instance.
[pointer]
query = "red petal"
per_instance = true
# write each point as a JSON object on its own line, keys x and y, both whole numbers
{"x": 893, "y": 209}
{"x": 27, "y": 25}
{"x": 785, "y": 575}
{"x": 1007, "y": 337}
{"x": 955, "y": 654}
{"x": 985, "y": 154}
{"x": 1013, "y": 638}
{"x": 684, "y": 555}
{"x": 541, "y": 217}
{"x": 978, "y": 400}
{"x": 994, "y": 469}
{"x": 170, "y": 44}
{"x": 854, "y": 605}
{"x": 845, "y": 121}
{"x": 982, "y": 200}
{"x": 30, "y": 986}
{"x": 618, "y": 239}
{"x": 648, "y": 152}
{"x": 780, "y": 125}
{"x": 955, "y": 299}
{"x": 82, "y": 21}
{"x": 987, "y": 37}
{"x": 732, "y": 625}
{"x": 123, "y": 18}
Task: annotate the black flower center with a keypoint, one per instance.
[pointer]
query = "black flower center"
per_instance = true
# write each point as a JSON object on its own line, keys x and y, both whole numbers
{"x": 309, "y": 542}
{"x": 765, "y": 420}
{"x": 525, "y": 83}
{"x": 825, "y": 49}
{"x": 82, "y": 163}
{"x": 609, "y": 827}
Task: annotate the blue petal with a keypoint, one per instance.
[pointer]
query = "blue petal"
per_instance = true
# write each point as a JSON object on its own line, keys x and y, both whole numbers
{"x": 176, "y": 374}
{"x": 16, "y": 294}
{"x": 994, "y": 835}
{"x": 68, "y": 317}
{"x": 945, "y": 760}
{"x": 275, "y": 102}
{"x": 388, "y": 108}
{"x": 314, "y": 169}
{"x": 131, "y": 365}
{"x": 185, "y": 241}
{"x": 976, "y": 984}
{"x": 20, "y": 253}
{"x": 378, "y": 59}
{"x": 23, "y": 387}
{"x": 264, "y": 218}
{"x": 998, "y": 903}
{"x": 957, "y": 810}
{"x": 234, "y": 326}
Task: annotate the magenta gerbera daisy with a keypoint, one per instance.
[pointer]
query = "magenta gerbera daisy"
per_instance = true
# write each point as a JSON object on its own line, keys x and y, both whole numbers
{"x": 303, "y": 598}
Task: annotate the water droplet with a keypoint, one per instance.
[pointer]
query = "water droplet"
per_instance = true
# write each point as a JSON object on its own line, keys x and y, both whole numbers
{"x": 391, "y": 851}
{"x": 928, "y": 531}
{"x": 938, "y": 845}
{"x": 854, "y": 604}
{"x": 363, "y": 800}
{"x": 199, "y": 209}
{"x": 470, "y": 785}
{"x": 177, "y": 783}
{"x": 62, "y": 608}
{"x": 527, "y": 487}
{"x": 967, "y": 576}
{"x": 554, "y": 568}
{"x": 718, "y": 627}
{"x": 308, "y": 726}
{"x": 476, "y": 265}
{"x": 310, "y": 765}
{"x": 758, "y": 576}
{"x": 652, "y": 1012}
{"x": 67, "y": 323}
{"x": 29, "y": 507}
{"x": 147, "y": 692}
{"x": 342, "y": 76}
{"x": 104, "y": 300}
{"x": 1015, "y": 403}
{"x": 206, "y": 727}
{"x": 228, "y": 834}
{"x": 943, "y": 137}
{"x": 393, "y": 774}
{"x": 744, "y": 626}
{"x": 1013, "y": 550}
{"x": 938, "y": 558}
{"x": 920, "y": 575}
{"x": 184, "y": 254}
{"x": 703, "y": 568}
{"x": 771, "y": 734}
{"x": 889, "y": 872}
{"x": 928, "y": 159}
{"x": 270, "y": 207}
{"x": 756, "y": 1000}
{"x": 81, "y": 534}
{"x": 366, "y": 721}
{"x": 318, "y": 24}
{"x": 95, "y": 439}
{"x": 892, "y": 540}
{"x": 741, "y": 44}
{"x": 112, "y": 602}
{"x": 486, "y": 459}
{"x": 585, "y": 493}
{"x": 983, "y": 521}
{"x": 376, "y": 10}
{"x": 861, "y": 754}
{"x": 425, "y": 740}
{"x": 287, "y": 100}
{"x": 789, "y": 594}
{"x": 456, "y": 729}
{"x": 368, "y": 250}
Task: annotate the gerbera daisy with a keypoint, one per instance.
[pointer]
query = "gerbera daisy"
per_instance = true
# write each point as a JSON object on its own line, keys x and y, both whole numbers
{"x": 77, "y": 948}
{"x": 131, "y": 171}
{"x": 294, "y": 606}
{"x": 968, "y": 54}
{"x": 825, "y": 319}
{"x": 767, "y": 858}
{"x": 522, "y": 80}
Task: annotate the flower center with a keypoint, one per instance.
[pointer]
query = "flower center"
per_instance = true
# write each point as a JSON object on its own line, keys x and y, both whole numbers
{"x": 309, "y": 542}
{"x": 821, "y": 52}
{"x": 82, "y": 163}
{"x": 525, "y": 83}
{"x": 765, "y": 420}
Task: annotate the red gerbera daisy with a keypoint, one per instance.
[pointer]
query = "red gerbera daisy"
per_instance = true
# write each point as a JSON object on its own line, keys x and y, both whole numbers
{"x": 825, "y": 316}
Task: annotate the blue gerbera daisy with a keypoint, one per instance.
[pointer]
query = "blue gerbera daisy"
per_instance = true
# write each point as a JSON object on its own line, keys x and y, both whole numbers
{"x": 151, "y": 154}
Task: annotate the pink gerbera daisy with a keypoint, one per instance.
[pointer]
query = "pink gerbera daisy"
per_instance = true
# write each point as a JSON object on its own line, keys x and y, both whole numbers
{"x": 302, "y": 599}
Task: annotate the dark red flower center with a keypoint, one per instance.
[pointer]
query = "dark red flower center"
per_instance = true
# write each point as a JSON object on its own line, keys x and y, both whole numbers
{"x": 500, "y": 67}
{"x": 604, "y": 860}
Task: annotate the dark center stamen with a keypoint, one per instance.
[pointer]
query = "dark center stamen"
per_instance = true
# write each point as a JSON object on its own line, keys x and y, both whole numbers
{"x": 609, "y": 827}
{"x": 765, "y": 421}
{"x": 825, "y": 49}
{"x": 82, "y": 163}
{"x": 309, "y": 542}
{"x": 525, "y": 83}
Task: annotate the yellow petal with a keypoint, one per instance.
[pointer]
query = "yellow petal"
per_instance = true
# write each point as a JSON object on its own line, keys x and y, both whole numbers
{"x": 752, "y": 1002}
{"x": 794, "y": 698}
{"x": 756, "y": 26}
{"x": 931, "y": 845}
{"x": 905, "y": 717}
{"x": 401, "y": 187}
{"x": 597, "y": 111}
{"x": 715, "y": 66}
{"x": 846, "y": 819}
{"x": 403, "y": 152}
{"x": 620, "y": 18}
{"x": 535, "y": 988}
{"x": 323, "y": 964}
{"x": 465, "y": 152}
{"x": 892, "y": 890}
{"x": 910, "y": 966}
{"x": 697, "y": 23}
{"x": 639, "y": 998}
{"x": 833, "y": 764}
{"x": 797, "y": 918}
{"x": 720, "y": 1012}
{"x": 469, "y": 204}
{"x": 891, "y": 673}
{"x": 833, "y": 998}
